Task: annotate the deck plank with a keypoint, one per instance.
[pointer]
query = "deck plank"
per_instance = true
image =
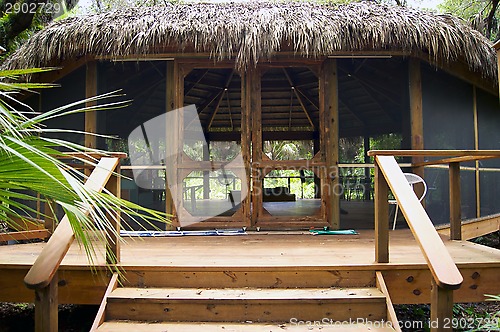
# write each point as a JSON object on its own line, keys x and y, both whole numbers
{"x": 257, "y": 250}
{"x": 120, "y": 326}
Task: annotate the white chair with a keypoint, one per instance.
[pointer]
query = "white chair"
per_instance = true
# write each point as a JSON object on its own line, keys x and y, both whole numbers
{"x": 412, "y": 179}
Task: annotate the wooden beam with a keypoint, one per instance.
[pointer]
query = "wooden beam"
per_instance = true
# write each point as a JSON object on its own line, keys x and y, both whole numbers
{"x": 453, "y": 160}
{"x": 25, "y": 235}
{"x": 101, "y": 312}
{"x": 476, "y": 227}
{"x": 246, "y": 142}
{"x": 47, "y": 263}
{"x": 441, "y": 308}
{"x": 476, "y": 146}
{"x": 436, "y": 153}
{"x": 113, "y": 235}
{"x": 193, "y": 84}
{"x": 169, "y": 104}
{"x": 330, "y": 95}
{"x": 46, "y": 310}
{"x": 255, "y": 107}
{"x": 219, "y": 99}
{"x": 391, "y": 313}
{"x": 455, "y": 202}
{"x": 416, "y": 113}
{"x": 299, "y": 98}
{"x": 381, "y": 217}
{"x": 91, "y": 117}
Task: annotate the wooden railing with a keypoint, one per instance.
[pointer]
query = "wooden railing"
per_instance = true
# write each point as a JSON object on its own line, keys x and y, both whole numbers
{"x": 42, "y": 277}
{"x": 445, "y": 275}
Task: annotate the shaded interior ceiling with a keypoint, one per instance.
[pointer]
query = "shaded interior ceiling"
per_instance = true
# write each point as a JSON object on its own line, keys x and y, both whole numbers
{"x": 372, "y": 96}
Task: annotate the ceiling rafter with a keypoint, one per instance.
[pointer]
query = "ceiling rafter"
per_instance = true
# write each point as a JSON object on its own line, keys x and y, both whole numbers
{"x": 370, "y": 94}
{"x": 299, "y": 98}
{"x": 349, "y": 109}
{"x": 193, "y": 84}
{"x": 219, "y": 98}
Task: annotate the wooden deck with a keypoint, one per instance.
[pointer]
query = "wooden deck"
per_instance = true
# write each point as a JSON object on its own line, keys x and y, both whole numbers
{"x": 289, "y": 256}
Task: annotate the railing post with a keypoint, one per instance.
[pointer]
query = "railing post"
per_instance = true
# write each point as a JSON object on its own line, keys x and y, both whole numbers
{"x": 49, "y": 221}
{"x": 441, "y": 308}
{"x": 113, "y": 236}
{"x": 455, "y": 202}
{"x": 381, "y": 216}
{"x": 46, "y": 312}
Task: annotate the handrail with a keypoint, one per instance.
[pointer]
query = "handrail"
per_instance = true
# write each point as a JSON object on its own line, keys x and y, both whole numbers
{"x": 441, "y": 265}
{"x": 434, "y": 153}
{"x": 45, "y": 267}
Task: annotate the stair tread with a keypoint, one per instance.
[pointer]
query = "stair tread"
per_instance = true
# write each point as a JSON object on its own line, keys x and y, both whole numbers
{"x": 119, "y": 326}
{"x": 171, "y": 294}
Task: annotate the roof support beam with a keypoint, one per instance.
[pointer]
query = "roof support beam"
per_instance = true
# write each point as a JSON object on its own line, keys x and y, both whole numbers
{"x": 193, "y": 84}
{"x": 299, "y": 98}
{"x": 219, "y": 98}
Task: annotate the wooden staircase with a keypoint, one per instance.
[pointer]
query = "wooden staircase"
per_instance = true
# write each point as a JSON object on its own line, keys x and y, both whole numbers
{"x": 238, "y": 300}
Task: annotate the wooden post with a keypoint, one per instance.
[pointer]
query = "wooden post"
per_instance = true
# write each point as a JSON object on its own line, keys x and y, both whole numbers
{"x": 368, "y": 181}
{"x": 476, "y": 146}
{"x": 317, "y": 180}
{"x": 46, "y": 312}
{"x": 113, "y": 236}
{"x": 330, "y": 107}
{"x": 455, "y": 202}
{"x": 206, "y": 174}
{"x": 246, "y": 140}
{"x": 254, "y": 88}
{"x": 170, "y": 95}
{"x": 441, "y": 308}
{"x": 416, "y": 115}
{"x": 49, "y": 221}
{"x": 91, "y": 116}
{"x": 91, "y": 91}
{"x": 381, "y": 216}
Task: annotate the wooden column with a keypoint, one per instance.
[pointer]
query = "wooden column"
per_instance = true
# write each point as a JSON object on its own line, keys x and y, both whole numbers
{"x": 317, "y": 180}
{"x": 91, "y": 91}
{"x": 441, "y": 308}
{"x": 46, "y": 311}
{"x": 113, "y": 235}
{"x": 254, "y": 88}
{"x": 476, "y": 146}
{"x": 330, "y": 134}
{"x": 416, "y": 113}
{"x": 381, "y": 216}
{"x": 206, "y": 174}
{"x": 246, "y": 140}
{"x": 455, "y": 202}
{"x": 368, "y": 182}
{"x": 49, "y": 221}
{"x": 170, "y": 137}
{"x": 91, "y": 116}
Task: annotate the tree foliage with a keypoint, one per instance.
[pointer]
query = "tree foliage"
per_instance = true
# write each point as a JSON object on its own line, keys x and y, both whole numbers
{"x": 483, "y": 15}
{"x": 19, "y": 19}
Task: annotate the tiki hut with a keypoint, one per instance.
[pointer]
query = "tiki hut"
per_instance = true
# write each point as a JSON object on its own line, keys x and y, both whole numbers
{"x": 265, "y": 76}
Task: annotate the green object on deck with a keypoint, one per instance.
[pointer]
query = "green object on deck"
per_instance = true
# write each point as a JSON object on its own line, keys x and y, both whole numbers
{"x": 333, "y": 232}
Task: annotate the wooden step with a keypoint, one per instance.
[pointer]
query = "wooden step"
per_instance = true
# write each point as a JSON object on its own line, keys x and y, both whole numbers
{"x": 261, "y": 277}
{"x": 120, "y": 326}
{"x": 245, "y": 304}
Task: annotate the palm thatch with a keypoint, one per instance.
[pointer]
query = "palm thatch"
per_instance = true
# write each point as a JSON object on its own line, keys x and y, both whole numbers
{"x": 257, "y": 30}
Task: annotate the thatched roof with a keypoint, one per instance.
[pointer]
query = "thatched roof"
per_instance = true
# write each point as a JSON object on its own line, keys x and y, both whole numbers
{"x": 251, "y": 31}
